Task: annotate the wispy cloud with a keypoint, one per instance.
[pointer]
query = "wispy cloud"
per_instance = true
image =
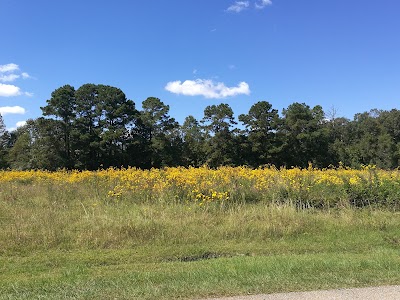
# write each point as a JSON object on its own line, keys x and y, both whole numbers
{"x": 10, "y": 73}
{"x": 9, "y": 90}
{"x": 26, "y": 75}
{"x": 8, "y": 78}
{"x": 238, "y": 6}
{"x": 8, "y": 68}
{"x": 6, "y": 110}
{"x": 262, "y": 4}
{"x": 207, "y": 88}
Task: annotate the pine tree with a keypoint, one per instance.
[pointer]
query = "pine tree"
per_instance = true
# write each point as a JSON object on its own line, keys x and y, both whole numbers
{"x": 4, "y": 137}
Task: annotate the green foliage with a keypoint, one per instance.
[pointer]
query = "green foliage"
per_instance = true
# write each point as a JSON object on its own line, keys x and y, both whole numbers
{"x": 262, "y": 124}
{"x": 305, "y": 136}
{"x": 157, "y": 136}
{"x": 218, "y": 120}
{"x": 39, "y": 145}
{"x": 96, "y": 126}
{"x": 4, "y": 142}
{"x": 194, "y": 139}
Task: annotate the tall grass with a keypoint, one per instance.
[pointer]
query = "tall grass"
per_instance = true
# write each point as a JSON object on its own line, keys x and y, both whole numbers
{"x": 47, "y": 215}
{"x": 133, "y": 226}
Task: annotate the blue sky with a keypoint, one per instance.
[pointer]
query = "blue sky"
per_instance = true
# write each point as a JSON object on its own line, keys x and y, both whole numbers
{"x": 193, "y": 53}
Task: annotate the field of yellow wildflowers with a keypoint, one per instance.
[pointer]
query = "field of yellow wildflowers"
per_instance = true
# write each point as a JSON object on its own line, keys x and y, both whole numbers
{"x": 196, "y": 232}
{"x": 310, "y": 187}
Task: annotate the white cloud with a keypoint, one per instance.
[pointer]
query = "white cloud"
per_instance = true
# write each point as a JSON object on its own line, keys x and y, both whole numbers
{"x": 20, "y": 124}
{"x": 263, "y": 3}
{"x": 10, "y": 73}
{"x": 6, "y": 110}
{"x": 25, "y": 75}
{"x": 9, "y": 90}
{"x": 8, "y": 68}
{"x": 206, "y": 88}
{"x": 8, "y": 78}
{"x": 238, "y": 6}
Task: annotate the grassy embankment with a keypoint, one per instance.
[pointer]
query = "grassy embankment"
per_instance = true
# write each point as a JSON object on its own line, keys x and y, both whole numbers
{"x": 67, "y": 236}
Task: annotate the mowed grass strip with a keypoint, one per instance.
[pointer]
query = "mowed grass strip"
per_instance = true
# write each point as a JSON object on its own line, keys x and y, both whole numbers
{"x": 88, "y": 276}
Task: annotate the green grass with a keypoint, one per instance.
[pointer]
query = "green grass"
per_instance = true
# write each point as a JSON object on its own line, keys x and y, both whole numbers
{"x": 60, "y": 244}
{"x": 118, "y": 275}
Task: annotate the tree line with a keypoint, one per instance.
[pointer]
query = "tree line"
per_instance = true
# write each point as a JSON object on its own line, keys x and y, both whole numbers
{"x": 96, "y": 126}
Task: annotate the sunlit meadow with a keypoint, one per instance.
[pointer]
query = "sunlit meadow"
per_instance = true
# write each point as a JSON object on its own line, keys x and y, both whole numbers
{"x": 336, "y": 187}
{"x": 279, "y": 229}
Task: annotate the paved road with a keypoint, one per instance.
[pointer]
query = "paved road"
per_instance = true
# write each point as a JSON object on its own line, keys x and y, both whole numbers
{"x": 372, "y": 293}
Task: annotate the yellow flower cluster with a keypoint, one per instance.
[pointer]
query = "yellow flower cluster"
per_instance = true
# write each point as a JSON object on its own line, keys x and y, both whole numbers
{"x": 225, "y": 184}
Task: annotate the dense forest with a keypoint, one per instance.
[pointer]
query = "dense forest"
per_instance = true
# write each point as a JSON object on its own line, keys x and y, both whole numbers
{"x": 96, "y": 126}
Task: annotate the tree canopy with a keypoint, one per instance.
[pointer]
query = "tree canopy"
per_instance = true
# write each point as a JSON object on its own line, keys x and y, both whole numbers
{"x": 96, "y": 126}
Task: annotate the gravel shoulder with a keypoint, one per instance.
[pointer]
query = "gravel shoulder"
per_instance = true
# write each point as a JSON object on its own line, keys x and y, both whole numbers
{"x": 371, "y": 293}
